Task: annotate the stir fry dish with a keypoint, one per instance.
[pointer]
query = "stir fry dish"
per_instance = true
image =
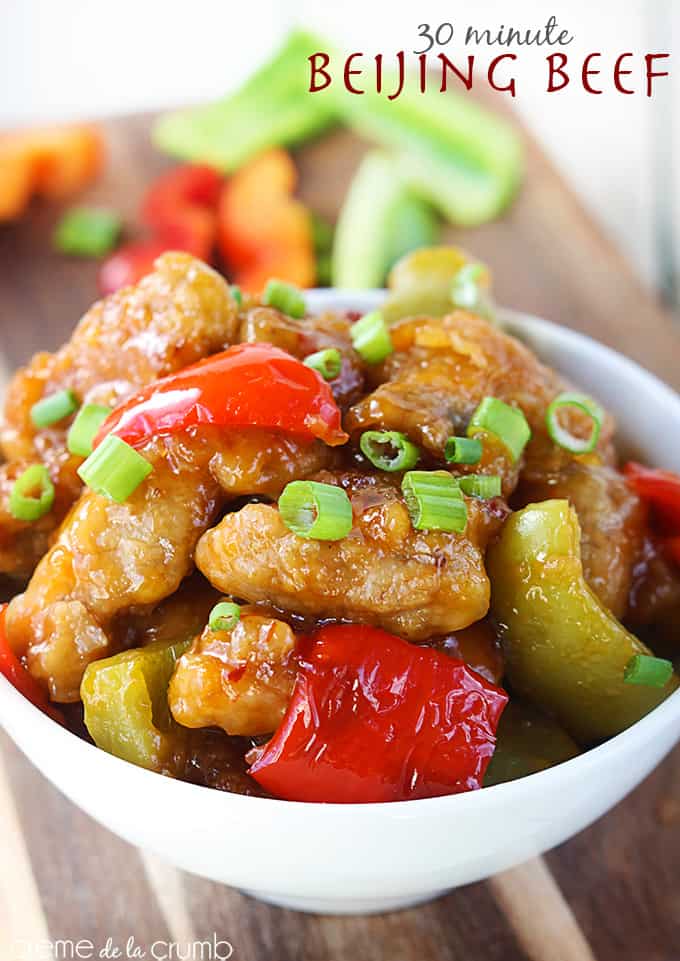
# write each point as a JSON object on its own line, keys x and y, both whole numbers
{"x": 330, "y": 557}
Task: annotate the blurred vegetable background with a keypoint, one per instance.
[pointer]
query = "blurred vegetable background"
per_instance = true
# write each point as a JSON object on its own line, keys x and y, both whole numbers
{"x": 616, "y": 152}
{"x": 232, "y": 199}
{"x": 49, "y": 162}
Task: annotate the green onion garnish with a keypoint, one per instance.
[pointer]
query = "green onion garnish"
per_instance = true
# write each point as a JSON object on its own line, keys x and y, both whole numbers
{"x": 325, "y": 362}
{"x": 224, "y": 616}
{"x": 114, "y": 469}
{"x": 318, "y": 511}
{"x": 87, "y": 232}
{"x": 389, "y": 450}
{"x": 508, "y": 423}
{"x": 85, "y": 427}
{"x": 236, "y": 294}
{"x": 648, "y": 671}
{"x": 468, "y": 292}
{"x": 484, "y": 486}
{"x": 32, "y": 495}
{"x": 371, "y": 338}
{"x": 434, "y": 501}
{"x": 50, "y": 410}
{"x": 465, "y": 287}
{"x": 284, "y": 297}
{"x": 563, "y": 437}
{"x": 463, "y": 450}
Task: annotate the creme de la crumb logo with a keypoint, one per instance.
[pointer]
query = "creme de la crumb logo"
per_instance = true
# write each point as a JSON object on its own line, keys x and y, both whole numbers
{"x": 213, "y": 949}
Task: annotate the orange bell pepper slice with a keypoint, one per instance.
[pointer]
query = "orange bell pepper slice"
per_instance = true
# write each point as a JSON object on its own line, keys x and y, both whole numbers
{"x": 16, "y": 184}
{"x": 263, "y": 231}
{"x": 52, "y": 162}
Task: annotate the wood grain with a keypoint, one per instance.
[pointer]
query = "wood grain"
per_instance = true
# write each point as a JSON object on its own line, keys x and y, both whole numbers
{"x": 611, "y": 893}
{"x": 21, "y": 909}
{"x": 92, "y": 884}
{"x": 552, "y": 932}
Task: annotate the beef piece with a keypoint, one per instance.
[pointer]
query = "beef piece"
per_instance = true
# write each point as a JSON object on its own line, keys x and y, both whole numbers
{"x": 178, "y": 314}
{"x": 385, "y": 573}
{"x": 240, "y": 680}
{"x": 110, "y": 561}
{"x": 654, "y": 603}
{"x": 612, "y": 519}
{"x": 441, "y": 370}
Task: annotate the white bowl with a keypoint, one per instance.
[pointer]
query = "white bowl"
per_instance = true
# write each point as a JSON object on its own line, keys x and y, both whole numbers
{"x": 376, "y": 857}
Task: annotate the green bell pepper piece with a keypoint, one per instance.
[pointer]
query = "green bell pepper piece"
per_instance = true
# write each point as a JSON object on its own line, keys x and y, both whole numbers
{"x": 564, "y": 651}
{"x": 126, "y": 705}
{"x": 527, "y": 741}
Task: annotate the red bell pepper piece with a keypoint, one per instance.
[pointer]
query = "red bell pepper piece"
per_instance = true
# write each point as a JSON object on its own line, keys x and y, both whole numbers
{"x": 192, "y": 231}
{"x": 17, "y": 675}
{"x": 249, "y": 385}
{"x": 128, "y": 265}
{"x": 189, "y": 185}
{"x": 673, "y": 548}
{"x": 373, "y": 718}
{"x": 661, "y": 490}
{"x": 181, "y": 208}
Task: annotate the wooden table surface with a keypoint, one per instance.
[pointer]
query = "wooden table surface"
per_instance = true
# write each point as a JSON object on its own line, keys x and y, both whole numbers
{"x": 612, "y": 893}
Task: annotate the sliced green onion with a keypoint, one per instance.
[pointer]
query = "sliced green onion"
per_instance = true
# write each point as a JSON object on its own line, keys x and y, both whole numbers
{"x": 85, "y": 427}
{"x": 319, "y": 511}
{"x": 484, "y": 486}
{"x": 463, "y": 450}
{"x": 284, "y": 297}
{"x": 371, "y": 338}
{"x": 468, "y": 292}
{"x": 648, "y": 671}
{"x": 508, "y": 423}
{"x": 32, "y": 495}
{"x": 87, "y": 232}
{"x": 325, "y": 362}
{"x": 465, "y": 287}
{"x": 389, "y": 450}
{"x": 236, "y": 294}
{"x": 563, "y": 437}
{"x": 224, "y": 616}
{"x": 50, "y": 410}
{"x": 434, "y": 501}
{"x": 114, "y": 469}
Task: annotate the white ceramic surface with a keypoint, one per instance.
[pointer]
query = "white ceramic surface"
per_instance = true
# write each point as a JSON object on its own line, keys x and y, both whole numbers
{"x": 377, "y": 857}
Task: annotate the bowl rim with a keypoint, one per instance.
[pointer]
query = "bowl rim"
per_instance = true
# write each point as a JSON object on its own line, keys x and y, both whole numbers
{"x": 17, "y": 711}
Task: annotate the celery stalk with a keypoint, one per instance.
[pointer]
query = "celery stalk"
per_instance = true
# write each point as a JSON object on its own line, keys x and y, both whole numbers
{"x": 272, "y": 108}
{"x": 452, "y": 152}
{"x": 380, "y": 220}
{"x": 460, "y": 157}
{"x": 413, "y": 225}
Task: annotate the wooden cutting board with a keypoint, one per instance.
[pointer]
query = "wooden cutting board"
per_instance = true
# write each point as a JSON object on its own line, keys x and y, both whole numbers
{"x": 612, "y": 893}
